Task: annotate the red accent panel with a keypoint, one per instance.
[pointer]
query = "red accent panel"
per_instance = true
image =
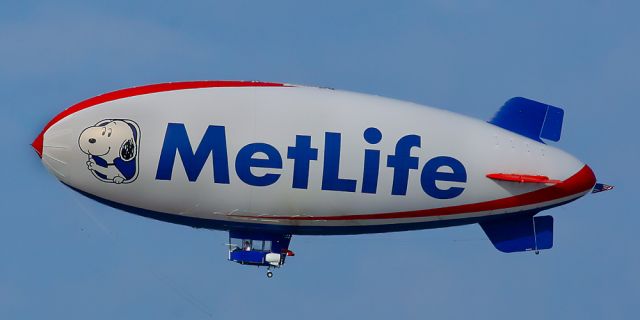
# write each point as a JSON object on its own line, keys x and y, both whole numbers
{"x": 580, "y": 182}
{"x": 522, "y": 178}
{"x": 137, "y": 91}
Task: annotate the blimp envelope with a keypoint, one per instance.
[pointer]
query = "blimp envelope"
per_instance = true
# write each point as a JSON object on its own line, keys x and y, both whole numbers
{"x": 274, "y": 160}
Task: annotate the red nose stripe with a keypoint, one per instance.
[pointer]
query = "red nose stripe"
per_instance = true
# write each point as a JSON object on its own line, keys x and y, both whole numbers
{"x": 136, "y": 91}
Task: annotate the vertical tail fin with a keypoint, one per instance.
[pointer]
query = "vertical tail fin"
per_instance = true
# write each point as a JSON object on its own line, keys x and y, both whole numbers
{"x": 530, "y": 118}
{"x": 520, "y": 233}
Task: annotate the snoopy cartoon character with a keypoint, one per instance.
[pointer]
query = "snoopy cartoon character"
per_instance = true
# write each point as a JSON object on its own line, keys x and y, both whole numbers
{"x": 112, "y": 147}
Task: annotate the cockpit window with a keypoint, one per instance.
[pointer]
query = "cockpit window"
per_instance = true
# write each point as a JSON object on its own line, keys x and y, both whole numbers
{"x": 249, "y": 245}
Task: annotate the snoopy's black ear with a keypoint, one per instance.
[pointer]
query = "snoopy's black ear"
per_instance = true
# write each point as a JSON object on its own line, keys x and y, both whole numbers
{"x": 128, "y": 150}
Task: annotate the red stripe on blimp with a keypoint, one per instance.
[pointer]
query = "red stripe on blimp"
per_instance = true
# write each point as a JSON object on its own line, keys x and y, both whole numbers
{"x": 137, "y": 91}
{"x": 521, "y": 178}
{"x": 580, "y": 182}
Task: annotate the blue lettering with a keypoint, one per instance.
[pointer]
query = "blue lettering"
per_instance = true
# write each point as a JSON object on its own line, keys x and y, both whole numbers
{"x": 331, "y": 169}
{"x": 401, "y": 162}
{"x": 371, "y": 161}
{"x": 245, "y": 161}
{"x": 213, "y": 142}
{"x": 301, "y": 154}
{"x": 430, "y": 175}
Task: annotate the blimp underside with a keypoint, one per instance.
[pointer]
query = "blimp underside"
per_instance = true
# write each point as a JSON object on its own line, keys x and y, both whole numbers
{"x": 268, "y": 160}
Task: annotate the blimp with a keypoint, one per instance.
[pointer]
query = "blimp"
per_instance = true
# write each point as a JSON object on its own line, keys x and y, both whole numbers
{"x": 266, "y": 161}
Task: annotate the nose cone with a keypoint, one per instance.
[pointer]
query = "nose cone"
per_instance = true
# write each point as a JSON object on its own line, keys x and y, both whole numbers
{"x": 53, "y": 145}
{"x": 37, "y": 144}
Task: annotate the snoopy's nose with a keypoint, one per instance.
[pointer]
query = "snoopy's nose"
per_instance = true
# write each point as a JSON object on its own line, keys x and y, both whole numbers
{"x": 92, "y": 140}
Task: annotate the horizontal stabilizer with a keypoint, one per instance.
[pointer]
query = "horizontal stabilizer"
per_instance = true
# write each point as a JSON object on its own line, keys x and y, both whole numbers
{"x": 520, "y": 233}
{"x": 530, "y": 118}
{"x": 521, "y": 178}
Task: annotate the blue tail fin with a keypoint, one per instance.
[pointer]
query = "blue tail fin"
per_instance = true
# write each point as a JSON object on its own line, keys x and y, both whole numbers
{"x": 530, "y": 118}
{"x": 520, "y": 233}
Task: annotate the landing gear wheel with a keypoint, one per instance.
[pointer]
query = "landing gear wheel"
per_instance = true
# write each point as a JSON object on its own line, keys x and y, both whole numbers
{"x": 537, "y": 252}
{"x": 269, "y": 274}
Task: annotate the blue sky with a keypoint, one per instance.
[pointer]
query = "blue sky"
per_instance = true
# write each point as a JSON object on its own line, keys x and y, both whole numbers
{"x": 66, "y": 257}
